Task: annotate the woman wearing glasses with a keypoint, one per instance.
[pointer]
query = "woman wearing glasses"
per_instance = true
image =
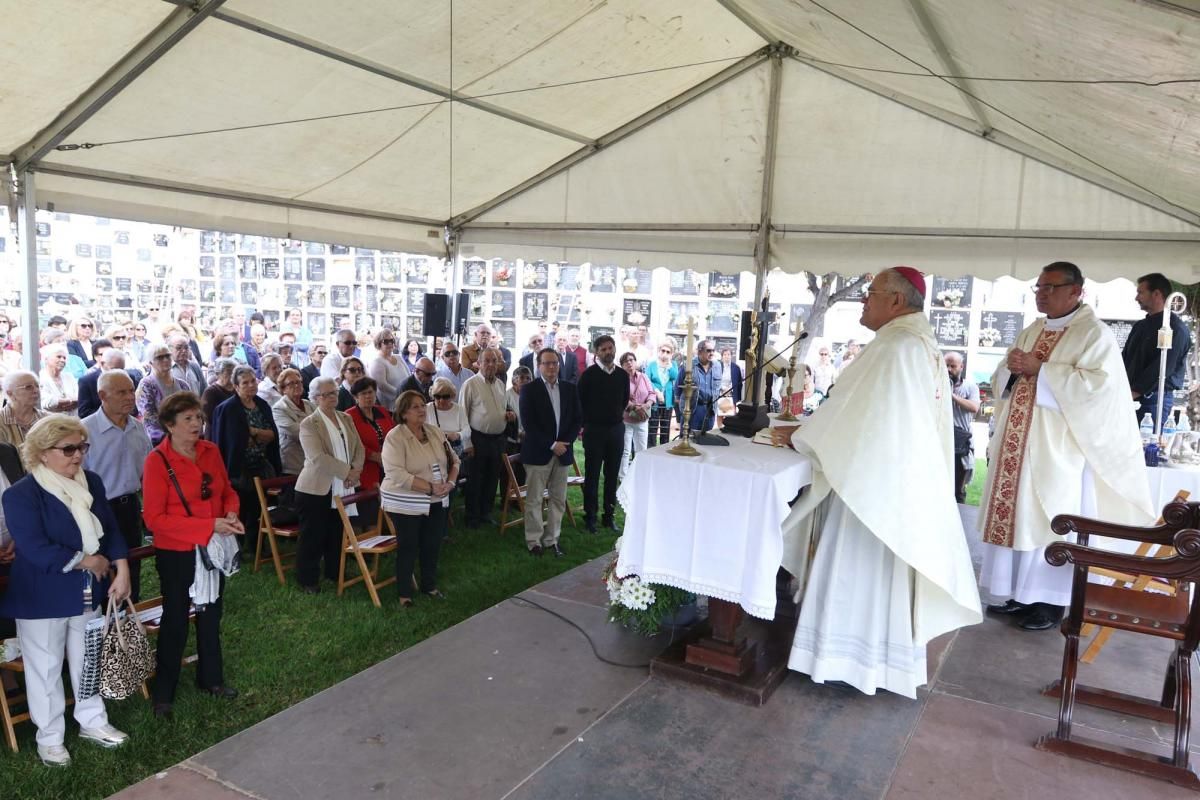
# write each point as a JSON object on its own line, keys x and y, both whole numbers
{"x": 352, "y": 372}
{"x": 79, "y": 340}
{"x": 663, "y": 374}
{"x": 387, "y": 369}
{"x": 188, "y": 502}
{"x": 449, "y": 416}
{"x": 23, "y": 407}
{"x": 289, "y": 412}
{"x": 67, "y": 545}
{"x": 155, "y": 388}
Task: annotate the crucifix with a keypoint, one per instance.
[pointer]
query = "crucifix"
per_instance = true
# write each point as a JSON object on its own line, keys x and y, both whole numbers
{"x": 752, "y": 411}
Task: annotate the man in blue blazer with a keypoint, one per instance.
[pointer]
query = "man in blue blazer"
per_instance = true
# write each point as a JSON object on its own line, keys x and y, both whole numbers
{"x": 551, "y": 418}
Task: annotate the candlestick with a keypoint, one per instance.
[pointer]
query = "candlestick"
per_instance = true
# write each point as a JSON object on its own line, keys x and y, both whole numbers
{"x": 690, "y": 345}
{"x": 685, "y": 448}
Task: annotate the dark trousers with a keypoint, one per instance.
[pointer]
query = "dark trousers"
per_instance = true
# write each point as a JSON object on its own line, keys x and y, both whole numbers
{"x": 320, "y": 537}
{"x": 484, "y": 475}
{"x": 128, "y": 511}
{"x": 248, "y": 512}
{"x": 1149, "y": 405}
{"x": 660, "y": 425}
{"x": 418, "y": 537}
{"x": 602, "y": 448}
{"x": 962, "y": 476}
{"x": 176, "y": 572}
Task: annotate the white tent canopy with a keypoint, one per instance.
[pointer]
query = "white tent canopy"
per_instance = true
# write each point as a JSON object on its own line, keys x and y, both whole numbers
{"x": 719, "y": 134}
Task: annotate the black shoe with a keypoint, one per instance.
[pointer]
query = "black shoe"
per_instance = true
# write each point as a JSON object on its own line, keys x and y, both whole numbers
{"x": 311, "y": 589}
{"x": 558, "y": 552}
{"x": 221, "y": 692}
{"x": 162, "y": 711}
{"x": 1044, "y": 616}
{"x": 611, "y": 524}
{"x": 1011, "y": 607}
{"x": 591, "y": 527}
{"x": 536, "y": 550}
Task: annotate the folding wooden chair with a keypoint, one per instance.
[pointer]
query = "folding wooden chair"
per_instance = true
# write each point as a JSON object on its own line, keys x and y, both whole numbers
{"x": 370, "y": 542}
{"x": 515, "y": 494}
{"x": 1170, "y": 616}
{"x": 269, "y": 489}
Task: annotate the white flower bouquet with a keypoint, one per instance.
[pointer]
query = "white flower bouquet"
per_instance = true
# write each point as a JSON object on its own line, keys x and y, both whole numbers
{"x": 988, "y": 337}
{"x": 950, "y": 298}
{"x": 639, "y": 606}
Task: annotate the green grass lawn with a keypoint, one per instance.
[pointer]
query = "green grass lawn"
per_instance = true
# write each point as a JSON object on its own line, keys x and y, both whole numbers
{"x": 975, "y": 487}
{"x": 281, "y": 646}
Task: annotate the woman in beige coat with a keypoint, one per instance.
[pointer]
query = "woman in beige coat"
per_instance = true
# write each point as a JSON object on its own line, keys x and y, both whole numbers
{"x": 333, "y": 461}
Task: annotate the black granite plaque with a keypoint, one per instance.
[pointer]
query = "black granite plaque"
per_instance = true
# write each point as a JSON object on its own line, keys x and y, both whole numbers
{"x": 391, "y": 269}
{"x": 339, "y": 296}
{"x": 950, "y": 328}
{"x": 318, "y": 324}
{"x": 1120, "y": 329}
{"x": 1000, "y": 328}
{"x": 535, "y": 275}
{"x": 507, "y": 332}
{"x": 568, "y": 277}
{"x": 364, "y": 269}
{"x": 316, "y": 270}
{"x": 724, "y": 316}
{"x": 339, "y": 250}
{"x": 534, "y": 305}
{"x": 270, "y": 268}
{"x": 635, "y": 312}
{"x": 723, "y": 286}
{"x": 686, "y": 282}
{"x": 293, "y": 269}
{"x": 392, "y": 301}
{"x": 475, "y": 272}
{"x": 249, "y": 267}
{"x": 951, "y": 292}
{"x": 503, "y": 273}
{"x": 504, "y": 305}
{"x": 208, "y": 291}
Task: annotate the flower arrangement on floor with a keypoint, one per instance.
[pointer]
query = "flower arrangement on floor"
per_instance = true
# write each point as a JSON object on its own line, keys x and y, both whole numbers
{"x": 641, "y": 607}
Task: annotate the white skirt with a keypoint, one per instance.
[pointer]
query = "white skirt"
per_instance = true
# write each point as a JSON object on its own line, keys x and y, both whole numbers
{"x": 856, "y": 617}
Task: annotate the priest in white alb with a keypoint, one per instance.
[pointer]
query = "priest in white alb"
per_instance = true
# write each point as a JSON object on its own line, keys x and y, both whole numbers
{"x": 1066, "y": 442}
{"x": 890, "y": 568}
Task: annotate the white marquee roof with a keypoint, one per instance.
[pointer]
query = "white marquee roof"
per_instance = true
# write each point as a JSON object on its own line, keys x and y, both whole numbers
{"x": 630, "y": 130}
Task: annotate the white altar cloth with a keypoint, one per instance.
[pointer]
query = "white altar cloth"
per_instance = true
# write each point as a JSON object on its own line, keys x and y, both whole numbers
{"x": 1166, "y": 482}
{"x": 712, "y": 524}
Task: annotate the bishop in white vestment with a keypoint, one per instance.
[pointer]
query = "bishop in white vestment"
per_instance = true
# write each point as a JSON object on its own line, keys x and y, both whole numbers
{"x": 1065, "y": 443}
{"x": 891, "y": 568}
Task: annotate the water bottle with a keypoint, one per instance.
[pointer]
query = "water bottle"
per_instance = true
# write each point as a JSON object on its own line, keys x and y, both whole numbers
{"x": 1168, "y": 428}
{"x": 1184, "y": 423}
{"x": 1147, "y": 427}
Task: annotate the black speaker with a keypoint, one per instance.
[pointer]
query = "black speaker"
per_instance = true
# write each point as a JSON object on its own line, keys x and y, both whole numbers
{"x": 744, "y": 336}
{"x": 462, "y": 312}
{"x": 437, "y": 315}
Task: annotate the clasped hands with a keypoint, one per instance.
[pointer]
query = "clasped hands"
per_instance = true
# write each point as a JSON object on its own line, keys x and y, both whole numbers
{"x": 440, "y": 489}
{"x": 1023, "y": 362}
{"x": 228, "y": 525}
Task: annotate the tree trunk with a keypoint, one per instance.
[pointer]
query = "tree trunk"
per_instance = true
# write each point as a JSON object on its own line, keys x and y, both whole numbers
{"x": 826, "y": 290}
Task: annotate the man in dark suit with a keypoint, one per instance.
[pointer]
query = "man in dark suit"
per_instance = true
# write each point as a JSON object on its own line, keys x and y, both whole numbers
{"x": 316, "y": 355}
{"x": 106, "y": 358}
{"x": 421, "y": 379}
{"x": 551, "y": 418}
{"x": 568, "y": 367}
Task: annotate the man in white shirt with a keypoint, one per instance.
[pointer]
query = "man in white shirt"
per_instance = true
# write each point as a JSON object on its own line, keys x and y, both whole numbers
{"x": 344, "y": 344}
{"x": 483, "y": 398}
{"x": 451, "y": 367}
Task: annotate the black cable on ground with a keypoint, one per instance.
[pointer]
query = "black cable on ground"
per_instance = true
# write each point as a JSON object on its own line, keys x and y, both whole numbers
{"x": 585, "y": 634}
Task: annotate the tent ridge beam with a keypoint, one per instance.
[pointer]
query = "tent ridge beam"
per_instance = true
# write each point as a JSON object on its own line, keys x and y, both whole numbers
{"x": 937, "y": 42}
{"x": 375, "y": 68}
{"x": 987, "y": 233}
{"x": 229, "y": 194}
{"x": 617, "y": 134}
{"x": 157, "y": 44}
{"x": 746, "y": 18}
{"x": 736, "y": 227}
{"x": 1008, "y": 142}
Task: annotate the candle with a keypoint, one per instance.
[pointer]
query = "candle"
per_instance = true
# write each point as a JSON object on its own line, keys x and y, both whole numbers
{"x": 690, "y": 345}
{"x": 799, "y": 328}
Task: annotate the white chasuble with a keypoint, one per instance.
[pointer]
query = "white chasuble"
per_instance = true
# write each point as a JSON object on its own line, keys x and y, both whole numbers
{"x": 891, "y": 570}
{"x": 1067, "y": 443}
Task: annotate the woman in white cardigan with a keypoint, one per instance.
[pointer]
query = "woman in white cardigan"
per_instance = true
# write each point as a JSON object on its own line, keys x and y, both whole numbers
{"x": 387, "y": 369}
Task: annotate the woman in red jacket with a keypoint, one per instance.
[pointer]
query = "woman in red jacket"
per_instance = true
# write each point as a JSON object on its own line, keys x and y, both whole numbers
{"x": 187, "y": 500}
{"x": 372, "y": 423}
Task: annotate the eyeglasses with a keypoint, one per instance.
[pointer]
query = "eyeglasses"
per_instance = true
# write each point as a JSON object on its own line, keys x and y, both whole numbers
{"x": 320, "y": 352}
{"x": 289, "y": 384}
{"x": 205, "y": 486}
{"x": 387, "y": 341}
{"x": 1049, "y": 287}
{"x": 163, "y": 357}
{"x": 353, "y": 370}
{"x": 69, "y": 450}
{"x": 449, "y": 353}
{"x": 85, "y": 325}
{"x": 443, "y": 397}
{"x": 420, "y": 371}
{"x": 348, "y": 342}
{"x": 117, "y": 338}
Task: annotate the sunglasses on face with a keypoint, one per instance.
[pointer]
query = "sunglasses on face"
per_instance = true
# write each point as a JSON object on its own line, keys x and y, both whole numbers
{"x": 206, "y": 486}
{"x": 163, "y": 357}
{"x": 449, "y": 353}
{"x": 387, "y": 341}
{"x": 420, "y": 371}
{"x": 69, "y": 450}
{"x": 443, "y": 397}
{"x": 353, "y": 370}
{"x": 119, "y": 338}
{"x": 319, "y": 352}
{"x": 87, "y": 325}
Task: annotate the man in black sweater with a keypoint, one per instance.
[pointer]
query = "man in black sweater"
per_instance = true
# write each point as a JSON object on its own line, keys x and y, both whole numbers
{"x": 603, "y": 395}
{"x": 1141, "y": 353}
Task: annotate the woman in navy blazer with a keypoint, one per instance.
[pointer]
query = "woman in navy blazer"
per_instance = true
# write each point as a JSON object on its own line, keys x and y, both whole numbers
{"x": 243, "y": 429}
{"x": 55, "y": 585}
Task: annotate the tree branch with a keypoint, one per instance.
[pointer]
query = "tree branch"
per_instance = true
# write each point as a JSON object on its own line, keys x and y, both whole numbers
{"x": 848, "y": 289}
{"x": 813, "y": 286}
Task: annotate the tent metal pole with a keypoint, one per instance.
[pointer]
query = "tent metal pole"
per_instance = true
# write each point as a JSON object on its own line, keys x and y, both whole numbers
{"x": 724, "y": 227}
{"x": 762, "y": 247}
{"x": 988, "y": 233}
{"x": 27, "y": 216}
{"x": 157, "y": 44}
{"x": 937, "y": 43}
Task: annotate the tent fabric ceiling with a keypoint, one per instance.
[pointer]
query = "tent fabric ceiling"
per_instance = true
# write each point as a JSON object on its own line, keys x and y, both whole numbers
{"x": 307, "y": 120}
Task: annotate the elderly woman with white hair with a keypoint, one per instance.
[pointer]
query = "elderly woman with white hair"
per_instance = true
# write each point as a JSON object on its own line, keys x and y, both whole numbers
{"x": 220, "y": 390}
{"x": 60, "y": 390}
{"x": 67, "y": 546}
{"x": 268, "y": 388}
{"x": 79, "y": 340}
{"x": 156, "y": 387}
{"x": 24, "y": 406}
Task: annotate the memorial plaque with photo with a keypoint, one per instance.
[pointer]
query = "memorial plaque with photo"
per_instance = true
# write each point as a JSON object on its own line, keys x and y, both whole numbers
{"x": 366, "y": 298}
{"x": 248, "y": 244}
{"x": 413, "y": 328}
{"x": 678, "y": 313}
{"x": 568, "y": 277}
{"x": 416, "y": 301}
{"x": 83, "y": 250}
{"x": 208, "y": 242}
{"x": 535, "y": 275}
{"x": 504, "y": 305}
{"x": 1120, "y": 329}
{"x": 506, "y": 332}
{"x": 227, "y": 244}
{"x": 249, "y": 267}
{"x": 270, "y": 268}
{"x": 364, "y": 269}
{"x": 390, "y": 269}
{"x": 950, "y": 328}
{"x": 797, "y": 311}
{"x": 104, "y": 268}
{"x": 124, "y": 284}
{"x": 314, "y": 248}
{"x": 604, "y": 279}
{"x": 638, "y": 281}
{"x": 724, "y": 316}
{"x": 416, "y": 270}
{"x": 600, "y": 330}
{"x": 271, "y": 319}
{"x": 316, "y": 297}
{"x": 316, "y": 270}
{"x": 364, "y": 321}
{"x": 339, "y": 296}
{"x": 477, "y": 312}
{"x": 475, "y": 272}
{"x": 503, "y": 272}
{"x": 317, "y": 323}
{"x": 392, "y": 301}
{"x": 723, "y": 285}
{"x": 293, "y": 294}
{"x": 534, "y": 305}
{"x": 161, "y": 240}
{"x": 686, "y": 282}
{"x": 250, "y": 293}
{"x": 339, "y": 250}
{"x": 951, "y": 292}
{"x": 776, "y": 325}
{"x": 635, "y": 312}
{"x": 1000, "y": 328}
{"x": 227, "y": 267}
{"x": 208, "y": 291}
{"x": 208, "y": 267}
{"x": 43, "y": 228}
{"x": 293, "y": 269}
{"x": 341, "y": 322}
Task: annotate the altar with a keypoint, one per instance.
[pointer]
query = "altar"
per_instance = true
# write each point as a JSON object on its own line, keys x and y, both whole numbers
{"x": 712, "y": 525}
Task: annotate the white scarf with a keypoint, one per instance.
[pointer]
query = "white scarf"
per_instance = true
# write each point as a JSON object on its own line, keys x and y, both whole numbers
{"x": 341, "y": 451}
{"x": 75, "y": 495}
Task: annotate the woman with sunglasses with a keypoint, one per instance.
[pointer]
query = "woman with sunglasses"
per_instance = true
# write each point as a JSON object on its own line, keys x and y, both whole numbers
{"x": 79, "y": 340}
{"x": 663, "y": 374}
{"x": 67, "y": 545}
{"x": 155, "y": 388}
{"x": 387, "y": 369}
{"x": 188, "y": 501}
{"x": 138, "y": 346}
{"x": 352, "y": 371}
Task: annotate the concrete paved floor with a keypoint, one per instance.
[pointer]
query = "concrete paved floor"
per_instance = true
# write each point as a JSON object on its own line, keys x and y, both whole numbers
{"x": 513, "y": 703}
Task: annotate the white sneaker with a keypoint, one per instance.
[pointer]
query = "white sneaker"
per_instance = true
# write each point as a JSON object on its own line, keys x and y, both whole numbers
{"x": 54, "y": 755}
{"x": 105, "y": 736}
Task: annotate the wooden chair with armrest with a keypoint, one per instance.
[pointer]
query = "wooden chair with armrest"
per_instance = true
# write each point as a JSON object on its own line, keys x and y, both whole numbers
{"x": 1171, "y": 616}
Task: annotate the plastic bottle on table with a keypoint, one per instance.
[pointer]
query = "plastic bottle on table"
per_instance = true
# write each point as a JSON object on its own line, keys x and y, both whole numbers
{"x": 1147, "y": 427}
